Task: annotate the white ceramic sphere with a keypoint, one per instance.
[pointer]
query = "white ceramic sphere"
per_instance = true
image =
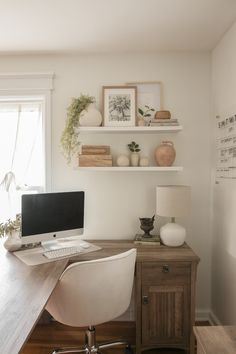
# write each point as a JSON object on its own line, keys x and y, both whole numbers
{"x": 122, "y": 161}
{"x": 172, "y": 234}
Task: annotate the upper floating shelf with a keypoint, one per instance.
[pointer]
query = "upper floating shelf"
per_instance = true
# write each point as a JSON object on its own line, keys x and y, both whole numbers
{"x": 132, "y": 169}
{"x": 160, "y": 129}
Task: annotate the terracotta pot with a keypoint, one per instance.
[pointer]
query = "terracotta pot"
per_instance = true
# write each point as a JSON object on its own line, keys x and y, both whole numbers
{"x": 141, "y": 122}
{"x": 165, "y": 154}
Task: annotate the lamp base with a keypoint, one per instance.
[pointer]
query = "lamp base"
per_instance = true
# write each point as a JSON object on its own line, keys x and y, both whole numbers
{"x": 173, "y": 234}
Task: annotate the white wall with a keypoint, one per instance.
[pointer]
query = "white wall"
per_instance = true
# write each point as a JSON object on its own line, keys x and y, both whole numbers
{"x": 114, "y": 201}
{"x": 224, "y": 220}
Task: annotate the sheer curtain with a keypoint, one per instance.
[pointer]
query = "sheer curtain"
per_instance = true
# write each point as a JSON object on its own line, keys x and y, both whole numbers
{"x": 21, "y": 153}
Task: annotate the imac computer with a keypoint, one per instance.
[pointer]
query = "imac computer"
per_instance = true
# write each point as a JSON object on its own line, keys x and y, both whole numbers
{"x": 47, "y": 217}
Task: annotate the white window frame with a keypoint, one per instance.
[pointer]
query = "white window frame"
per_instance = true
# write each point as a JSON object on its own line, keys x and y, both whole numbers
{"x": 33, "y": 86}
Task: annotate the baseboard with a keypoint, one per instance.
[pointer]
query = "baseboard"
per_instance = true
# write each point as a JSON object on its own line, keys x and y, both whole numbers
{"x": 207, "y": 315}
{"x": 214, "y": 320}
{"x": 202, "y": 315}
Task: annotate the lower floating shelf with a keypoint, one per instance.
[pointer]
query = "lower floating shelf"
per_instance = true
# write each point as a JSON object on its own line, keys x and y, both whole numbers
{"x": 132, "y": 169}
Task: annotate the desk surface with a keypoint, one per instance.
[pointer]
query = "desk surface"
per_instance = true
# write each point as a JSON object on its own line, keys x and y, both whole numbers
{"x": 144, "y": 253}
{"x": 24, "y": 290}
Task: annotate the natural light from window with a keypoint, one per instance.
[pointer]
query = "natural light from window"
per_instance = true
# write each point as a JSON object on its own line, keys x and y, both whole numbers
{"x": 22, "y": 160}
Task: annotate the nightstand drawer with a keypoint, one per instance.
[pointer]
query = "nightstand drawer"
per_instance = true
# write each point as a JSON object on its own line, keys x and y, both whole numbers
{"x": 164, "y": 271}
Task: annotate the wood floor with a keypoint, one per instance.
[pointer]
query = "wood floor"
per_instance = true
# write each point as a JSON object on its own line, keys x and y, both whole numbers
{"x": 47, "y": 337}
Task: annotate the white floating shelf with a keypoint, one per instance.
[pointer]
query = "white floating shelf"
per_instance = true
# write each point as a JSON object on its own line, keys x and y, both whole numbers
{"x": 103, "y": 130}
{"x": 132, "y": 169}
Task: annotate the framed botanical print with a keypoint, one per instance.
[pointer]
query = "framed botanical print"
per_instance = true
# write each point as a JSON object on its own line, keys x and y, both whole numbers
{"x": 119, "y": 106}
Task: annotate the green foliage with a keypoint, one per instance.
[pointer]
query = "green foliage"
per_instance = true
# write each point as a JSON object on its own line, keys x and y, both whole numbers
{"x": 146, "y": 113}
{"x": 10, "y": 225}
{"x": 69, "y": 137}
{"x": 133, "y": 147}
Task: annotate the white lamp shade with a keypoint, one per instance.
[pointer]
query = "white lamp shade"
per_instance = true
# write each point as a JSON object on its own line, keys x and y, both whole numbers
{"x": 173, "y": 201}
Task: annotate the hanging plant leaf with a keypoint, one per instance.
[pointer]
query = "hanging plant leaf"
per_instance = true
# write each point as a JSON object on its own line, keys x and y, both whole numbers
{"x": 69, "y": 137}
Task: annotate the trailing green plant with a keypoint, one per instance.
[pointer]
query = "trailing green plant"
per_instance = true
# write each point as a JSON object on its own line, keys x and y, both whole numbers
{"x": 69, "y": 137}
{"x": 10, "y": 225}
{"x": 134, "y": 147}
{"x": 146, "y": 113}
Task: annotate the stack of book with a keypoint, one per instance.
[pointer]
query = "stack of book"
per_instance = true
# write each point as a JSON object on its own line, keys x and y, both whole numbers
{"x": 163, "y": 122}
{"x": 95, "y": 156}
{"x": 153, "y": 240}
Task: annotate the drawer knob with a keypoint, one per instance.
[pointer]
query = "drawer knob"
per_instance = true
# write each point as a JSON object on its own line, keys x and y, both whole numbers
{"x": 165, "y": 268}
{"x": 145, "y": 300}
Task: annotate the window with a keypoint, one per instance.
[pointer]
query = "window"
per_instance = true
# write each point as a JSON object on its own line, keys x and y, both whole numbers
{"x": 25, "y": 137}
{"x": 22, "y": 160}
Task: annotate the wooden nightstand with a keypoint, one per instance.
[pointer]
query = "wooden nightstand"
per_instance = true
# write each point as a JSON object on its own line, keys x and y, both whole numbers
{"x": 165, "y": 280}
{"x": 165, "y": 298}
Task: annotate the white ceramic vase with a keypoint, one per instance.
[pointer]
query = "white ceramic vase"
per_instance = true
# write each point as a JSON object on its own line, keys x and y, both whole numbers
{"x": 134, "y": 159}
{"x": 172, "y": 234}
{"x": 13, "y": 241}
{"x": 90, "y": 117}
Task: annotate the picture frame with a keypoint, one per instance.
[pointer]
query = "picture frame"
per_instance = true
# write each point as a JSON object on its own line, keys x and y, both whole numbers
{"x": 149, "y": 93}
{"x": 119, "y": 106}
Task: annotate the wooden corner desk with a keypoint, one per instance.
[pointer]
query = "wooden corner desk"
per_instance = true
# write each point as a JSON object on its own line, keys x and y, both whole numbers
{"x": 164, "y": 291}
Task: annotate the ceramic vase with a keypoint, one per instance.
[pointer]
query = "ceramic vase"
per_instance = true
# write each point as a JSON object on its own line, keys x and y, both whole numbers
{"x": 144, "y": 161}
{"x": 13, "y": 241}
{"x": 134, "y": 159}
{"x": 165, "y": 154}
{"x": 90, "y": 117}
{"x": 141, "y": 122}
{"x": 172, "y": 234}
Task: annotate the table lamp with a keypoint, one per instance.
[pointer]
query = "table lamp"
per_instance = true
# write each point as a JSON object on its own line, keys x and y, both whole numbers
{"x": 173, "y": 201}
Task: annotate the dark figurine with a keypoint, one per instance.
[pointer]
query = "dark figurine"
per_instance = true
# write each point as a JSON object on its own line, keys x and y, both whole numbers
{"x": 147, "y": 226}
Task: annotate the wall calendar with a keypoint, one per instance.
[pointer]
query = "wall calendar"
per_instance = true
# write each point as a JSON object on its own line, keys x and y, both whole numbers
{"x": 226, "y": 147}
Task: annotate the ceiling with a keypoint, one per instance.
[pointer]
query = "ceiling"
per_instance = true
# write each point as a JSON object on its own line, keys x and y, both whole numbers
{"x": 113, "y": 26}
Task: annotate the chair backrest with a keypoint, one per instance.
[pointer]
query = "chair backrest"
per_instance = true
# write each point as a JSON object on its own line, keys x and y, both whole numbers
{"x": 93, "y": 292}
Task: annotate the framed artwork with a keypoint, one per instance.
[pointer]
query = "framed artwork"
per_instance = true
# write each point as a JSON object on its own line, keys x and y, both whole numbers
{"x": 149, "y": 94}
{"x": 119, "y": 106}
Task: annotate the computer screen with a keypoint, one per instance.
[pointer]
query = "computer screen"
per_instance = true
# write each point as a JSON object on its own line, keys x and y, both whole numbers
{"x": 49, "y": 216}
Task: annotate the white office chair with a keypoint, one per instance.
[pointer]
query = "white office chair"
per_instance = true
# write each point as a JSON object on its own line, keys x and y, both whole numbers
{"x": 93, "y": 292}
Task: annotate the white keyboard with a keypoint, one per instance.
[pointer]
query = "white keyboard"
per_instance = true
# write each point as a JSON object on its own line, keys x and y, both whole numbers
{"x": 62, "y": 252}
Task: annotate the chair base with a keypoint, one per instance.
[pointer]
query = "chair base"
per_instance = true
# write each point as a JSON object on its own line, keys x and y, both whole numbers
{"x": 91, "y": 347}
